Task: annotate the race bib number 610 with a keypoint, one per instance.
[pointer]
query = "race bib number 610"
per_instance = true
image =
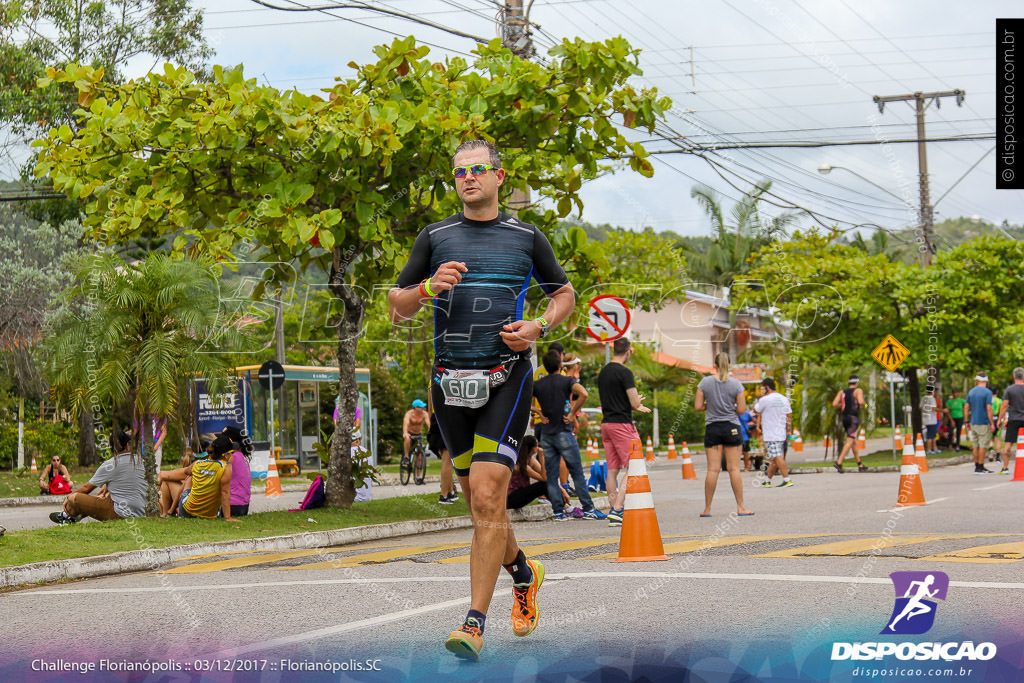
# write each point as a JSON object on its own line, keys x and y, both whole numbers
{"x": 465, "y": 388}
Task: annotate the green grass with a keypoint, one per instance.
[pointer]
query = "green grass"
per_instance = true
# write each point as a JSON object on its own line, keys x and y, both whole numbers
{"x": 24, "y": 484}
{"x": 875, "y": 459}
{"x": 99, "y": 538}
{"x": 433, "y": 467}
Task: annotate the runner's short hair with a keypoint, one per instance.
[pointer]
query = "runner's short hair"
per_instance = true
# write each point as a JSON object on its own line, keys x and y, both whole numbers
{"x": 552, "y": 361}
{"x": 556, "y": 346}
{"x": 620, "y": 346}
{"x": 1018, "y": 373}
{"x": 494, "y": 157}
{"x": 768, "y": 382}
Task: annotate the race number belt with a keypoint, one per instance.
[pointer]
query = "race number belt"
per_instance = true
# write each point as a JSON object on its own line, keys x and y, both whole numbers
{"x": 469, "y": 388}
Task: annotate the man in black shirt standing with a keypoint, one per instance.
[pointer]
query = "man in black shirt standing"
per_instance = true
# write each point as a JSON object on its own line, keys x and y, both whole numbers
{"x": 619, "y": 398}
{"x": 473, "y": 269}
{"x": 560, "y": 398}
{"x": 1013, "y": 409}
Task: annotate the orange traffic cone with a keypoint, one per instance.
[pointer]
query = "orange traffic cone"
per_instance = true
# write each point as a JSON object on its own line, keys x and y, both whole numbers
{"x": 671, "y": 448}
{"x": 688, "y": 471}
{"x": 798, "y": 443}
{"x": 35, "y": 470}
{"x": 640, "y": 539}
{"x": 921, "y": 456}
{"x": 273, "y": 488}
{"x": 965, "y": 433}
{"x": 898, "y": 439}
{"x": 862, "y": 440}
{"x": 910, "y": 492}
{"x": 650, "y": 450}
{"x": 590, "y": 448}
{"x": 1018, "y": 460}
{"x": 828, "y": 442}
{"x": 592, "y": 452}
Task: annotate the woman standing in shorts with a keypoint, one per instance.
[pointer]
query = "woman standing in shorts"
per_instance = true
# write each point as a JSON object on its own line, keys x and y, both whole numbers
{"x": 723, "y": 400}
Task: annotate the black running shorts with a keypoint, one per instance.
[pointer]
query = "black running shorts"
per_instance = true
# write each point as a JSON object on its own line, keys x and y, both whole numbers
{"x": 1012, "y": 429}
{"x": 722, "y": 434}
{"x": 493, "y": 432}
{"x": 851, "y": 425}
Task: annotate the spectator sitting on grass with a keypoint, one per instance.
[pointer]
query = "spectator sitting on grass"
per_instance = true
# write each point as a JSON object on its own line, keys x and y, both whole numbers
{"x": 528, "y": 466}
{"x": 121, "y": 480}
{"x": 50, "y": 472}
{"x": 241, "y": 475}
{"x": 210, "y": 491}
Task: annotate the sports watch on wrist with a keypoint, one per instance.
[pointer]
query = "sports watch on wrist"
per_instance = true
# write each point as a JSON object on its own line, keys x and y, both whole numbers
{"x": 544, "y": 326}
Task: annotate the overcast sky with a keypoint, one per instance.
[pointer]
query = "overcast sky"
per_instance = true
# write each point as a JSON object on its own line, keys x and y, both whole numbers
{"x": 762, "y": 70}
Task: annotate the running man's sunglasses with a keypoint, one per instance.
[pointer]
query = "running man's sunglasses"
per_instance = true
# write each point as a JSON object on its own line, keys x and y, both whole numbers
{"x": 475, "y": 169}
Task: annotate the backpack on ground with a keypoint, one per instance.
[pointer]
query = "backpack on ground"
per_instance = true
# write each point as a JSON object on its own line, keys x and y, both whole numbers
{"x": 315, "y": 496}
{"x": 59, "y": 485}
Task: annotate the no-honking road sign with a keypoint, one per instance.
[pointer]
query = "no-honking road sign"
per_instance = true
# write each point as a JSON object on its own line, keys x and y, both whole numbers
{"x": 608, "y": 318}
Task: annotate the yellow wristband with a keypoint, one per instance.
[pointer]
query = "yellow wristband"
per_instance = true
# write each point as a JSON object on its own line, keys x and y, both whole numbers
{"x": 542, "y": 321}
{"x": 426, "y": 287}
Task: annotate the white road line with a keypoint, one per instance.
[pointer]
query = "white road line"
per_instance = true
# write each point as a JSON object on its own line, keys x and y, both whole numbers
{"x": 995, "y": 486}
{"x": 344, "y": 628}
{"x": 798, "y": 578}
{"x": 911, "y": 507}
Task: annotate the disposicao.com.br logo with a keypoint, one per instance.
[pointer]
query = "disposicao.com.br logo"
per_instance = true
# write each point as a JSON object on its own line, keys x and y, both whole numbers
{"x": 913, "y": 614}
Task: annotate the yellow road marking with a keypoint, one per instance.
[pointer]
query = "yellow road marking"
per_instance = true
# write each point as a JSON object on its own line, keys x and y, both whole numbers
{"x": 861, "y": 545}
{"x": 704, "y": 542}
{"x": 1010, "y": 552}
{"x": 248, "y": 561}
{"x": 544, "y": 548}
{"x": 250, "y": 552}
{"x": 354, "y": 560}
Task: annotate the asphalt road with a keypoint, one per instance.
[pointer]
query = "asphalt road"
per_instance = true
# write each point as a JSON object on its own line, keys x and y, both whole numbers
{"x": 766, "y": 595}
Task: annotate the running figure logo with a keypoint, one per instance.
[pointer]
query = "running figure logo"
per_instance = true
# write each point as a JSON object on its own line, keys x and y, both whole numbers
{"x": 914, "y": 612}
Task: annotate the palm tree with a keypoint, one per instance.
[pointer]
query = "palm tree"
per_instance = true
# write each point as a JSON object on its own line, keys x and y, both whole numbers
{"x": 732, "y": 245}
{"x": 129, "y": 335}
{"x": 728, "y": 255}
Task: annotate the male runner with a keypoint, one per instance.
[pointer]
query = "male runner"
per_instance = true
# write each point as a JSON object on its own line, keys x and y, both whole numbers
{"x": 473, "y": 269}
{"x": 850, "y": 400}
{"x": 415, "y": 419}
{"x": 776, "y": 426}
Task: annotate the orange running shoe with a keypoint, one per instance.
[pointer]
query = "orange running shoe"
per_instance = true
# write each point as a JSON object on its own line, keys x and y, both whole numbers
{"x": 525, "y": 611}
{"x": 466, "y": 642}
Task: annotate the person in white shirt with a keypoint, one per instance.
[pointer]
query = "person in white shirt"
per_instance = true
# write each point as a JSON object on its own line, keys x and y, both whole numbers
{"x": 776, "y": 426}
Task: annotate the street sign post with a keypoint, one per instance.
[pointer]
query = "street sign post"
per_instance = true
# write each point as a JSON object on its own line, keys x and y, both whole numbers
{"x": 607, "y": 320}
{"x": 271, "y": 378}
{"x": 890, "y": 354}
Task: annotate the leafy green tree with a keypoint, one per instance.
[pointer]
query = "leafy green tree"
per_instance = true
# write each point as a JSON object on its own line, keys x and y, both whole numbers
{"x": 348, "y": 178}
{"x": 36, "y": 34}
{"x": 131, "y": 336}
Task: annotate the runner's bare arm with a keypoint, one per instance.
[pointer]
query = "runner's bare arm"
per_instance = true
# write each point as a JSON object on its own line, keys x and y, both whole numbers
{"x": 636, "y": 400}
{"x": 519, "y": 335}
{"x": 698, "y": 402}
{"x": 837, "y": 401}
{"x": 403, "y": 304}
{"x": 741, "y": 403}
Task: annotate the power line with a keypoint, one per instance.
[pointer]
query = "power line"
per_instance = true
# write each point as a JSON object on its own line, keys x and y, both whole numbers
{"x": 371, "y": 8}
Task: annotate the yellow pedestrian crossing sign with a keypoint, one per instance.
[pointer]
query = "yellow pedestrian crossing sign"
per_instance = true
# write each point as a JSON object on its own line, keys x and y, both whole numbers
{"x": 890, "y": 353}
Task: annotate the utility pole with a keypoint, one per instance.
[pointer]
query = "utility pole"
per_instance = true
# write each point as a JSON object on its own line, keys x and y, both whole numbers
{"x": 922, "y": 100}
{"x": 515, "y": 35}
{"x": 925, "y": 218}
{"x": 515, "y": 30}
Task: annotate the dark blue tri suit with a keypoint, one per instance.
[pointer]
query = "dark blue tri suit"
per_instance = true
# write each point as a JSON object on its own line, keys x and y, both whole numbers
{"x": 501, "y": 257}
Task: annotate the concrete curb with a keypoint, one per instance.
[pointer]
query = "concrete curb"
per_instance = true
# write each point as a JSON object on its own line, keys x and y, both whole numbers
{"x": 152, "y": 559}
{"x": 944, "y": 462}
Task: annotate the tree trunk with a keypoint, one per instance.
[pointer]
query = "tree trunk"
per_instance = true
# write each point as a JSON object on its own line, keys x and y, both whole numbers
{"x": 86, "y": 439}
{"x": 340, "y": 487}
{"x": 152, "y": 494}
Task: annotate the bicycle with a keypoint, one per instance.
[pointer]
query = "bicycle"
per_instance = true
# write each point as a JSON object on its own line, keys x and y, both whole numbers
{"x": 414, "y": 465}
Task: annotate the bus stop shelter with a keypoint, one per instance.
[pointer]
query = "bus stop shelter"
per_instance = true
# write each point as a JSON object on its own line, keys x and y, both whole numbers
{"x": 303, "y": 413}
